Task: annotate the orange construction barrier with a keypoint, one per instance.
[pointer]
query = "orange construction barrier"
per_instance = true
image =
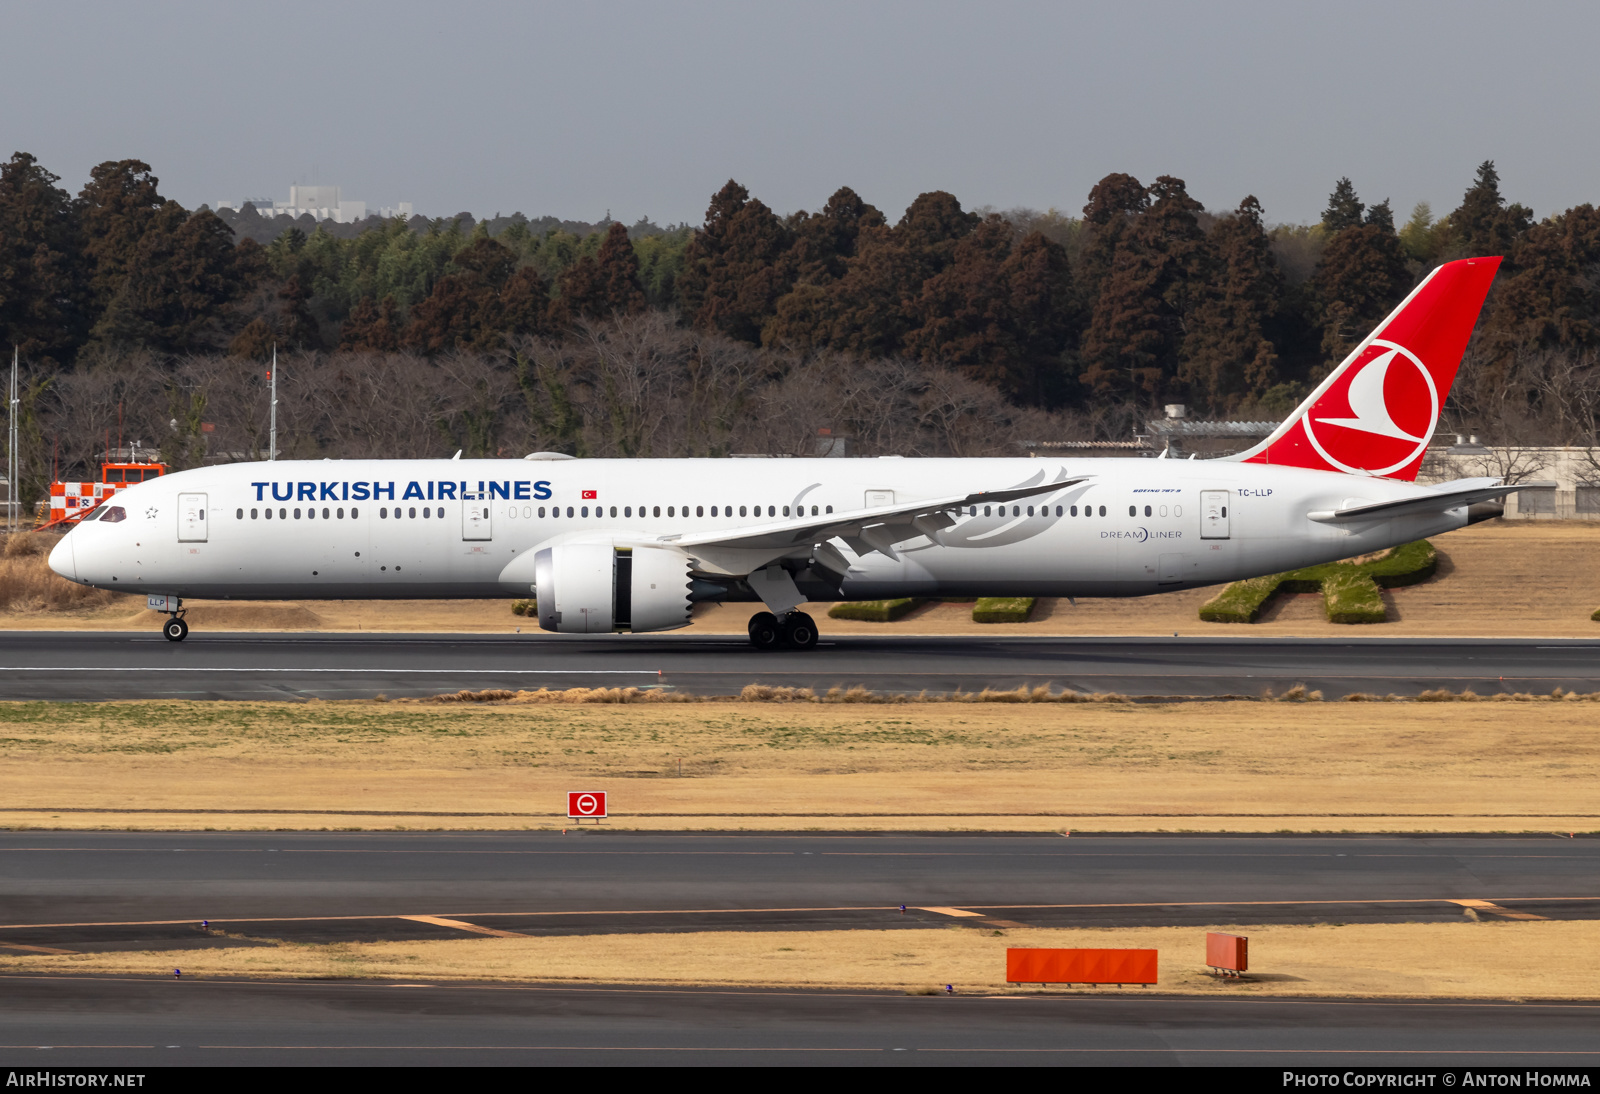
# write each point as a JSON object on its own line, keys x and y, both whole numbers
{"x": 1228, "y": 954}
{"x": 1040, "y": 966}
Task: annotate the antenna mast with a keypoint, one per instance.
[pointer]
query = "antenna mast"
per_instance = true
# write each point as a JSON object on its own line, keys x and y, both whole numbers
{"x": 11, "y": 448}
{"x": 272, "y": 450}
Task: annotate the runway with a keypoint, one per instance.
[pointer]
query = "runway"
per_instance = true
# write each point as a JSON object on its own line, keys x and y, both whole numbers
{"x": 96, "y": 891}
{"x": 102, "y": 666}
{"x": 132, "y": 1024}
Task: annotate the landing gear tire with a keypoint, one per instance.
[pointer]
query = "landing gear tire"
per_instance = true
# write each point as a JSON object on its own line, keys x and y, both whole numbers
{"x": 765, "y": 633}
{"x": 799, "y": 631}
{"x": 175, "y": 629}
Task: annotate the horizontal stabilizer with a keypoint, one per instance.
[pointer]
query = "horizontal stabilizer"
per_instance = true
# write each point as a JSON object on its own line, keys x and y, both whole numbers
{"x": 1437, "y": 501}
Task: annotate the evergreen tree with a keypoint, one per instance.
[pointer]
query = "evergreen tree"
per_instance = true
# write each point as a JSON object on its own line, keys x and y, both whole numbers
{"x": 1344, "y": 208}
{"x": 825, "y": 243}
{"x": 874, "y": 305}
{"x": 1228, "y": 357}
{"x": 1484, "y": 224}
{"x": 603, "y": 285}
{"x": 1134, "y": 339}
{"x": 1360, "y": 278}
{"x": 42, "y": 291}
{"x": 732, "y": 279}
{"x": 1549, "y": 301}
{"x": 1115, "y": 202}
{"x": 119, "y": 203}
{"x": 1381, "y": 216}
{"x": 372, "y": 326}
{"x": 485, "y": 299}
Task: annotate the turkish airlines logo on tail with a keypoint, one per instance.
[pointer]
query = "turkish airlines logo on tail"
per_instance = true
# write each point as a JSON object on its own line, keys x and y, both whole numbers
{"x": 1379, "y": 416}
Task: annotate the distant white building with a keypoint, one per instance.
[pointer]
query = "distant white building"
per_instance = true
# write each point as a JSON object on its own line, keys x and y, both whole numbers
{"x": 320, "y": 203}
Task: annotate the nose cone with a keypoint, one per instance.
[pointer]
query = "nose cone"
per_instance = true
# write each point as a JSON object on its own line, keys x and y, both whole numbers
{"x": 63, "y": 561}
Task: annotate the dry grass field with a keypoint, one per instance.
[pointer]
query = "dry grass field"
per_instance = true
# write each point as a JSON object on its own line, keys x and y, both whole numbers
{"x": 1222, "y": 766}
{"x": 1502, "y": 578}
{"x": 1545, "y": 960}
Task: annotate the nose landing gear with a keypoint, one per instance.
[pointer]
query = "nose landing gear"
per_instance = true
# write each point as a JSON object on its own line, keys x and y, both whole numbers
{"x": 796, "y": 630}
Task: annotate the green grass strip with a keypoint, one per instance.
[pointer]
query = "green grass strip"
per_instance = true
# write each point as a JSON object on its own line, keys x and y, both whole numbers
{"x": 1350, "y": 590}
{"x": 876, "y": 611}
{"x": 1003, "y": 609}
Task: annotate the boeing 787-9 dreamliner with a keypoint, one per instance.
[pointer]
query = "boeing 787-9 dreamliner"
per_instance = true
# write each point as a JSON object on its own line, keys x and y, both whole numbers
{"x": 631, "y": 545}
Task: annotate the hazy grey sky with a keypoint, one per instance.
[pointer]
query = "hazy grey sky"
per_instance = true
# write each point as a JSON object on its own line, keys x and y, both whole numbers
{"x": 645, "y": 109}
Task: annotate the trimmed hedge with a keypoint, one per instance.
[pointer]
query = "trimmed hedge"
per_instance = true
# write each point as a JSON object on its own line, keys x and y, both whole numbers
{"x": 876, "y": 611}
{"x": 1350, "y": 590}
{"x": 1003, "y": 609}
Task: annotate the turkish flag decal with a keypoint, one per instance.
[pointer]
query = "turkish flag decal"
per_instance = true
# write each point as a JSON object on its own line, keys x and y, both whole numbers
{"x": 590, "y": 495}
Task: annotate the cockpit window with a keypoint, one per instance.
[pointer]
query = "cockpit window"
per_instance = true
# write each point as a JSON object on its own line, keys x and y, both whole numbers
{"x": 114, "y": 514}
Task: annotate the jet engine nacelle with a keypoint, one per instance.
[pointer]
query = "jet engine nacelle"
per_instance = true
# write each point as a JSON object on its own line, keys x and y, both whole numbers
{"x": 595, "y": 588}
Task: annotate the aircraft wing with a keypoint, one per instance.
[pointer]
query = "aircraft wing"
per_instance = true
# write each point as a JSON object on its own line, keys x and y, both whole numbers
{"x": 1450, "y": 495}
{"x": 928, "y": 517}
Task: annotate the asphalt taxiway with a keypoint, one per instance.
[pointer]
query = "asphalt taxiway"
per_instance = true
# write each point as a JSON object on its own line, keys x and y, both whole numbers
{"x": 97, "y": 665}
{"x": 99, "y": 891}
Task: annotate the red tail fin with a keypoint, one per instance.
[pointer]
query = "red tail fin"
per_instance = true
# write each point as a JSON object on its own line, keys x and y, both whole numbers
{"x": 1377, "y": 412}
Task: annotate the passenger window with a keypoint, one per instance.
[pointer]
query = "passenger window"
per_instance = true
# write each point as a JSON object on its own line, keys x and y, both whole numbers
{"x": 772, "y": 511}
{"x": 241, "y": 514}
{"x": 255, "y": 514}
{"x": 657, "y": 511}
{"x": 613, "y": 510}
{"x": 1058, "y": 510}
{"x": 1074, "y": 510}
{"x": 297, "y": 514}
{"x": 283, "y": 514}
{"x": 741, "y": 510}
{"x": 341, "y": 514}
{"x": 1147, "y": 511}
{"x": 1133, "y": 511}
{"x": 384, "y": 512}
{"x": 1224, "y": 510}
{"x": 785, "y": 510}
{"x": 1177, "y": 510}
{"x": 699, "y": 510}
{"x": 569, "y": 511}
{"x": 713, "y": 510}
{"x": 986, "y": 511}
{"x": 1102, "y": 510}
{"x": 830, "y": 509}
{"x": 541, "y": 512}
{"x": 412, "y": 512}
{"x": 324, "y": 514}
{"x": 584, "y": 511}
{"x": 670, "y": 508}
{"x": 355, "y": 513}
{"x": 1030, "y": 510}
{"x": 311, "y": 514}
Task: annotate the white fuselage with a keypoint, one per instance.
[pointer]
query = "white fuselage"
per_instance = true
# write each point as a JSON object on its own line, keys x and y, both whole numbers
{"x": 355, "y": 529}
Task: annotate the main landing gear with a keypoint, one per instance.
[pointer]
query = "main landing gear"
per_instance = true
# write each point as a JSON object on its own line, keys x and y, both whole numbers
{"x": 796, "y": 630}
{"x": 175, "y": 629}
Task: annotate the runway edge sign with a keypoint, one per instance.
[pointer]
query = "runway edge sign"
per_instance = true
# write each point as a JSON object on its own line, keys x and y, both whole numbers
{"x": 586, "y": 804}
